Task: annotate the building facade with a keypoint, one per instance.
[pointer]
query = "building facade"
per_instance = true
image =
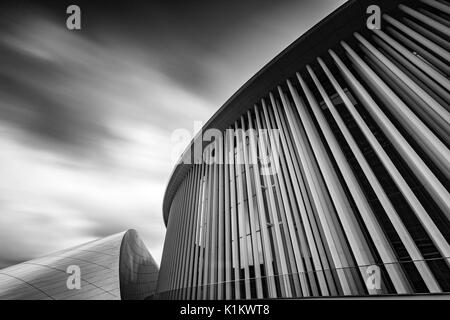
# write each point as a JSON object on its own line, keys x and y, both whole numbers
{"x": 118, "y": 267}
{"x": 330, "y": 175}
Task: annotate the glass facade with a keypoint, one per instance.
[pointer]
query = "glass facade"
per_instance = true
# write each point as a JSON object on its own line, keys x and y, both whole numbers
{"x": 355, "y": 132}
{"x": 113, "y": 268}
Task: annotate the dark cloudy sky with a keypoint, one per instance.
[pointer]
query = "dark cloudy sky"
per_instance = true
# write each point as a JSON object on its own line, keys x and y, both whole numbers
{"x": 86, "y": 117}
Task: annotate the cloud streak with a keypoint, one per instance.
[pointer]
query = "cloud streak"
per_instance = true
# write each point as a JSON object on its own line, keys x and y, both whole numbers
{"x": 86, "y": 117}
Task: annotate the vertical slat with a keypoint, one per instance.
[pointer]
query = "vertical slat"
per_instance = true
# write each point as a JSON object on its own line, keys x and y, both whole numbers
{"x": 228, "y": 256}
{"x": 429, "y": 142}
{"x": 296, "y": 202}
{"x": 422, "y": 51}
{"x": 424, "y": 19}
{"x": 435, "y": 187}
{"x": 174, "y": 245}
{"x": 358, "y": 244}
{"x": 307, "y": 243}
{"x": 287, "y": 198}
{"x": 429, "y": 44}
{"x": 286, "y": 290}
{"x": 435, "y": 17}
{"x": 425, "y": 219}
{"x": 293, "y": 255}
{"x": 427, "y": 33}
{"x": 374, "y": 229}
{"x": 198, "y": 233}
{"x": 208, "y": 227}
{"x": 174, "y": 273}
{"x": 338, "y": 258}
{"x": 243, "y": 155}
{"x": 234, "y": 223}
{"x": 176, "y": 219}
{"x": 202, "y": 242}
{"x": 242, "y": 215}
{"x": 193, "y": 240}
{"x": 181, "y": 242}
{"x": 290, "y": 241}
{"x": 191, "y": 229}
{"x": 214, "y": 217}
{"x": 187, "y": 213}
{"x": 423, "y": 83}
{"x": 313, "y": 232}
{"x": 400, "y": 228}
{"x": 437, "y": 5}
{"x": 266, "y": 246}
{"x": 221, "y": 226}
{"x": 434, "y": 46}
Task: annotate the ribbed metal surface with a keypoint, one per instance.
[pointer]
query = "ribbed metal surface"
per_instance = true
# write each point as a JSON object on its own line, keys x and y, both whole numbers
{"x": 362, "y": 178}
{"x": 112, "y": 268}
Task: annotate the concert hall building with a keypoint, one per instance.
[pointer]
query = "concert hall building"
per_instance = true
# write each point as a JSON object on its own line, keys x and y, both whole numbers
{"x": 330, "y": 175}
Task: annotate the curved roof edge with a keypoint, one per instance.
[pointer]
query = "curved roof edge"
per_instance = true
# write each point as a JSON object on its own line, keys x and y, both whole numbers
{"x": 327, "y": 33}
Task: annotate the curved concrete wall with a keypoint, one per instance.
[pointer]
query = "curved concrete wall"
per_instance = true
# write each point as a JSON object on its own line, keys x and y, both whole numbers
{"x": 138, "y": 270}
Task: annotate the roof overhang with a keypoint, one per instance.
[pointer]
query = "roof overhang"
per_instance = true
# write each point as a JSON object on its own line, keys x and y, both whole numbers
{"x": 326, "y": 34}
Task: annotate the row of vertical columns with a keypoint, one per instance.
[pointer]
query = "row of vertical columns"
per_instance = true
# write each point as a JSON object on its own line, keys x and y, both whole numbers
{"x": 308, "y": 227}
